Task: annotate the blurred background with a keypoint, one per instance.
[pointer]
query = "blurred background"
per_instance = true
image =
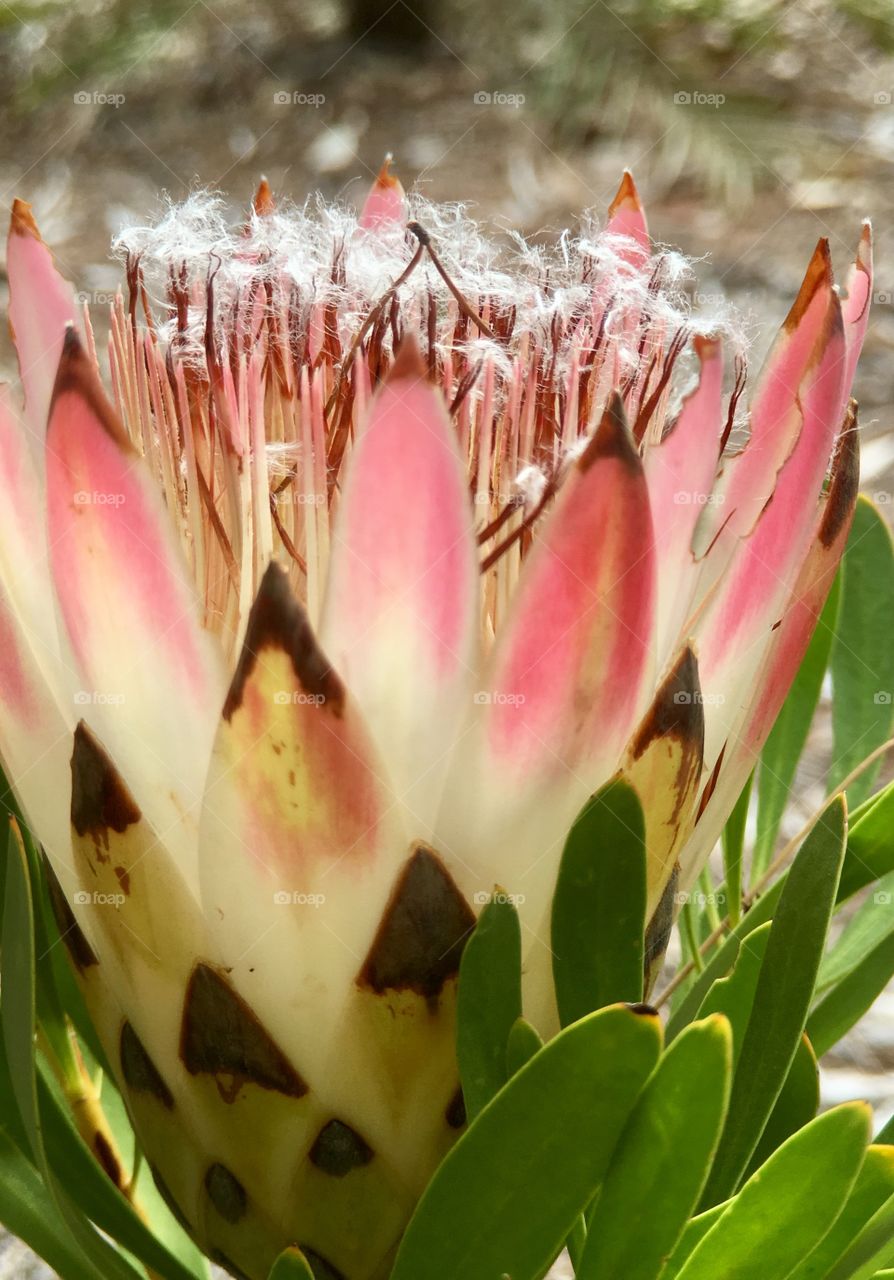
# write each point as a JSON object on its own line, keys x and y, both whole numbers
{"x": 753, "y": 127}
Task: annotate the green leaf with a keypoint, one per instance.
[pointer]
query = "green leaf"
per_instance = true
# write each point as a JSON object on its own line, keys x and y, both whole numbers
{"x": 862, "y": 661}
{"x": 291, "y": 1265}
{"x": 696, "y": 1229}
{"x": 27, "y": 1210}
{"x": 523, "y": 1042}
{"x": 489, "y": 1002}
{"x": 872, "y": 1190}
{"x": 870, "y": 844}
{"x": 662, "y": 1160}
{"x": 795, "y": 1107}
{"x": 870, "y": 925}
{"x": 783, "y": 748}
{"x": 734, "y": 995}
{"x": 844, "y": 1006}
{"x": 599, "y": 906}
{"x": 508, "y": 1194}
{"x": 872, "y": 1248}
{"x": 17, "y": 1014}
{"x": 782, "y": 999}
{"x": 733, "y": 849}
{"x": 97, "y": 1196}
{"x": 786, "y": 1208}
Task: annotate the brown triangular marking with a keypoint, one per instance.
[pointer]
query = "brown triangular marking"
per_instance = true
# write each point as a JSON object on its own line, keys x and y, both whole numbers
{"x": 422, "y": 933}
{"x": 138, "y": 1069}
{"x": 659, "y": 928}
{"x": 220, "y": 1036}
{"x": 82, "y": 954}
{"x": 455, "y": 1115}
{"x": 278, "y": 621}
{"x": 100, "y": 799}
{"x": 339, "y": 1149}
{"x": 226, "y": 1193}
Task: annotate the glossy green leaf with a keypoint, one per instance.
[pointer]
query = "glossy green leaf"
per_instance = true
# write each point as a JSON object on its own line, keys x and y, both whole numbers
{"x": 523, "y": 1042}
{"x": 870, "y": 844}
{"x": 97, "y": 1197}
{"x": 662, "y": 1160}
{"x": 17, "y": 1015}
{"x": 733, "y": 851}
{"x": 507, "y": 1195}
{"x": 696, "y": 1229}
{"x": 786, "y": 1208}
{"x": 871, "y": 924}
{"x": 795, "y": 1107}
{"x": 844, "y": 1006}
{"x": 862, "y": 660}
{"x": 599, "y": 906}
{"x": 490, "y": 1000}
{"x": 872, "y": 1248}
{"x": 783, "y": 748}
{"x": 734, "y": 995}
{"x": 872, "y": 1190}
{"x": 291, "y": 1265}
{"x": 782, "y": 999}
{"x": 28, "y": 1211}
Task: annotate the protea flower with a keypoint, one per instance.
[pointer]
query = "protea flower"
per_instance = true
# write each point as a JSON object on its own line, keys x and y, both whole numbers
{"x": 391, "y": 546}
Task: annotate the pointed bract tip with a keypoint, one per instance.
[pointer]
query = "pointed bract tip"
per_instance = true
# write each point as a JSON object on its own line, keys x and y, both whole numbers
{"x": 278, "y": 621}
{"x": 612, "y": 438}
{"x": 263, "y": 202}
{"x": 21, "y": 220}
{"x": 385, "y": 179}
{"x": 408, "y": 362}
{"x": 626, "y": 197}
{"x": 76, "y": 375}
{"x": 706, "y": 346}
{"x": 818, "y": 276}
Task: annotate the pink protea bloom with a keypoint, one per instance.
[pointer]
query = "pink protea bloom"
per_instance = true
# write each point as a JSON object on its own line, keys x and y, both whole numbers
{"x": 392, "y": 545}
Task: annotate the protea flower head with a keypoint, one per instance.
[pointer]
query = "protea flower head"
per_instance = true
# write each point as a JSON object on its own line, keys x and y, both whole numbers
{"x": 390, "y": 545}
